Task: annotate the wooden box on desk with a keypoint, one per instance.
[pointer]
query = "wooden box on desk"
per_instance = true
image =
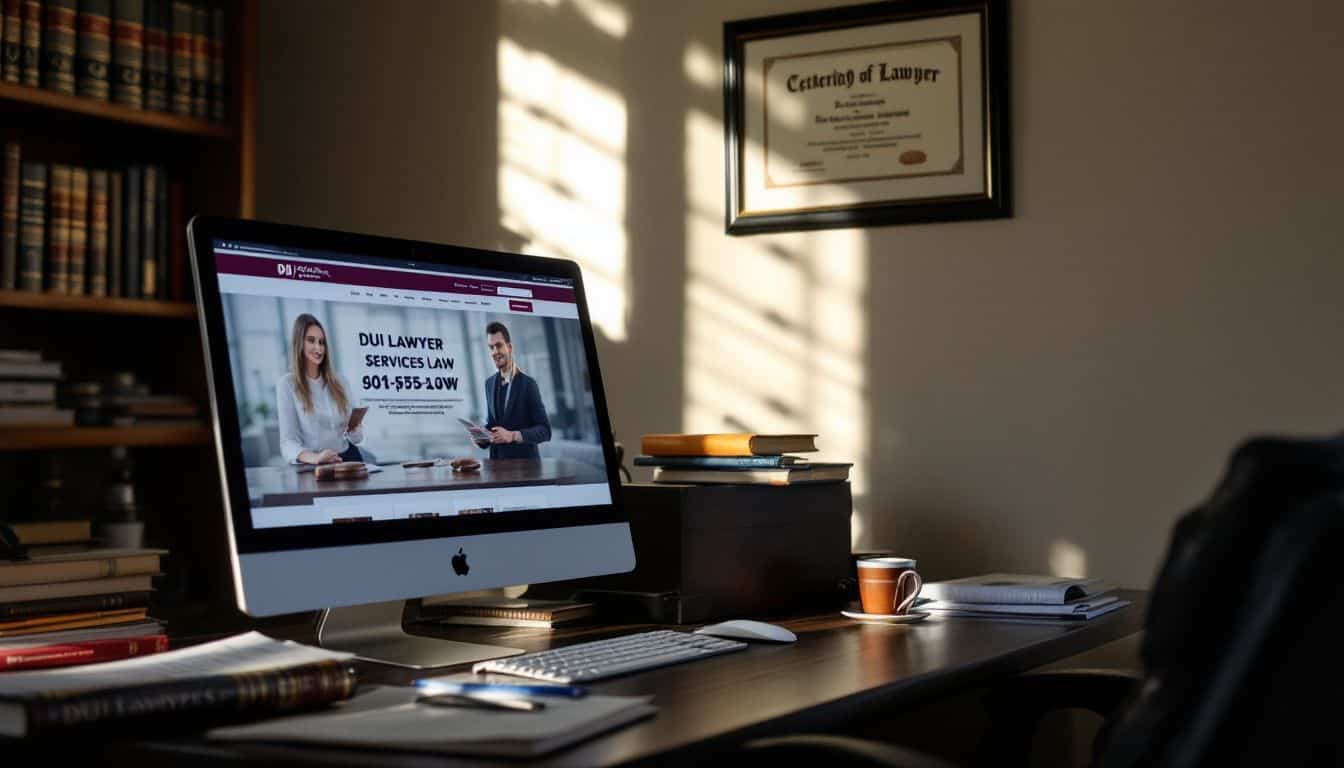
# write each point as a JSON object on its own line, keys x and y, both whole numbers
{"x": 731, "y": 551}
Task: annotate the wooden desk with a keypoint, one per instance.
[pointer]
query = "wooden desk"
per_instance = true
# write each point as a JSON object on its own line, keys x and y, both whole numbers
{"x": 837, "y": 672}
{"x": 287, "y": 486}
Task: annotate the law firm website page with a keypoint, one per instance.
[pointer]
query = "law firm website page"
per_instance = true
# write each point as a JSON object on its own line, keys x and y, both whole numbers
{"x": 369, "y": 391}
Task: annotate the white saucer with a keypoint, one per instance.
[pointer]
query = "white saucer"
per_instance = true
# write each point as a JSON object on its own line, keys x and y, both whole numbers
{"x": 888, "y": 618}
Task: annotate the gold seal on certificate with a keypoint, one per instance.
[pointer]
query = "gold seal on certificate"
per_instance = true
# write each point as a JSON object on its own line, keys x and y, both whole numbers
{"x": 878, "y": 116}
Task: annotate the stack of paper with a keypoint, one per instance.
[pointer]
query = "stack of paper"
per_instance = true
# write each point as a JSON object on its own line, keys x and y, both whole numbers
{"x": 1021, "y": 598}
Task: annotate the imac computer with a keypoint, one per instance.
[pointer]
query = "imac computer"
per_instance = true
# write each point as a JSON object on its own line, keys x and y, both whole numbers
{"x": 397, "y": 419}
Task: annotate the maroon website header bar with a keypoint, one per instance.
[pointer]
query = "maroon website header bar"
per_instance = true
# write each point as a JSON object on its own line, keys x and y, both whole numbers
{"x": 372, "y": 277}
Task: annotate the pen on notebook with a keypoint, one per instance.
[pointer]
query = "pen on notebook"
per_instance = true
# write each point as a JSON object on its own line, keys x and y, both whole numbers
{"x": 479, "y": 702}
{"x": 512, "y": 689}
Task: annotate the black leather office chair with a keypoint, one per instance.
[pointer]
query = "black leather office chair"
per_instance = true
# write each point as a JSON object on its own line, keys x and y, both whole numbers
{"x": 1241, "y": 651}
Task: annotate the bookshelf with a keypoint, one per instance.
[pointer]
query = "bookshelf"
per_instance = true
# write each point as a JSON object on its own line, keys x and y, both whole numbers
{"x": 58, "y": 472}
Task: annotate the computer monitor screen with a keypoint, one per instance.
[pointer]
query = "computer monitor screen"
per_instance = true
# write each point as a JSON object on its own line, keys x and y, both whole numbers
{"x": 398, "y": 419}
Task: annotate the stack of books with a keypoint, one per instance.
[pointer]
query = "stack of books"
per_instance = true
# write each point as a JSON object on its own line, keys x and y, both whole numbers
{"x": 28, "y": 391}
{"x": 493, "y": 611}
{"x": 145, "y": 54}
{"x": 121, "y": 400}
{"x": 1016, "y": 597}
{"x": 91, "y": 231}
{"x": 736, "y": 459}
{"x": 71, "y": 602}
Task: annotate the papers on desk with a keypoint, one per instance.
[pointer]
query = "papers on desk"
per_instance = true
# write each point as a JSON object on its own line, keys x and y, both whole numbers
{"x": 1016, "y": 597}
{"x": 389, "y": 717}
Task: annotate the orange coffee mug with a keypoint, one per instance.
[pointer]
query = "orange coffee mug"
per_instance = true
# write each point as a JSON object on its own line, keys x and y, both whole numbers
{"x": 888, "y": 585}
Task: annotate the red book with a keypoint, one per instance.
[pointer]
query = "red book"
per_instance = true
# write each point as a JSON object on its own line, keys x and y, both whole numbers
{"x": 70, "y": 654}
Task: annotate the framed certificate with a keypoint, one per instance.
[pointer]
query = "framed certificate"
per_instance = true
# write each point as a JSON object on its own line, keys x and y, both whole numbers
{"x": 885, "y": 113}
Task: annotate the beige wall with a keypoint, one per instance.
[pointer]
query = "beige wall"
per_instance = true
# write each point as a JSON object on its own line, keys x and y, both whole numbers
{"x": 1045, "y": 391}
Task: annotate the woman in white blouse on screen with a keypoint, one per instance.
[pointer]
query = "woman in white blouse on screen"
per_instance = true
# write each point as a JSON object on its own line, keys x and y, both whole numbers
{"x": 313, "y": 402}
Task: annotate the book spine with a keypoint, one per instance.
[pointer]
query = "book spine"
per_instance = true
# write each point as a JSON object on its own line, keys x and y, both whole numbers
{"x": 32, "y": 224}
{"x": 718, "y": 462}
{"x": 156, "y": 56}
{"x": 81, "y": 604}
{"x": 9, "y": 217}
{"x": 148, "y": 236}
{"x": 179, "y": 57}
{"x": 219, "y": 77}
{"x": 696, "y": 445}
{"x": 94, "y": 64}
{"x": 42, "y": 393}
{"x": 58, "y": 230}
{"x": 115, "y": 180}
{"x": 200, "y": 62}
{"x": 128, "y": 52}
{"x": 79, "y": 228}
{"x": 177, "y": 242}
{"x": 88, "y": 652}
{"x": 58, "y": 45}
{"x": 98, "y": 233}
{"x": 11, "y": 68}
{"x": 30, "y": 56}
{"x": 130, "y": 233}
{"x": 197, "y": 701}
{"x": 161, "y": 235}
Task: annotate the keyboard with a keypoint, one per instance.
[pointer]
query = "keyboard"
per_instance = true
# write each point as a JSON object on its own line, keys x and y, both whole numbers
{"x": 600, "y": 659}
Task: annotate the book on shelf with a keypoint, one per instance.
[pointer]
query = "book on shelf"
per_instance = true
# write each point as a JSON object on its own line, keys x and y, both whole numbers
{"x": 128, "y": 52}
{"x": 132, "y": 198}
{"x": 27, "y": 392}
{"x": 79, "y": 229}
{"x": 733, "y": 444}
{"x": 161, "y": 235}
{"x": 32, "y": 224}
{"x": 1013, "y": 588}
{"x": 30, "y": 58}
{"x": 9, "y": 216}
{"x": 219, "y": 77}
{"x": 46, "y": 370}
{"x": 11, "y": 42}
{"x": 58, "y": 45}
{"x": 816, "y": 472}
{"x": 98, "y": 233}
{"x": 35, "y": 416}
{"x": 721, "y": 462}
{"x": 53, "y": 531}
{"x": 40, "y": 627}
{"x": 56, "y": 563}
{"x": 73, "y": 605}
{"x": 387, "y": 718}
{"x": 57, "y": 266}
{"x": 200, "y": 62}
{"x": 242, "y": 677}
{"x": 179, "y": 57}
{"x": 94, "y": 60}
{"x": 115, "y": 180}
{"x": 149, "y": 237}
{"x": 156, "y": 56}
{"x": 504, "y": 611}
{"x": 86, "y": 652}
{"x": 117, "y": 584}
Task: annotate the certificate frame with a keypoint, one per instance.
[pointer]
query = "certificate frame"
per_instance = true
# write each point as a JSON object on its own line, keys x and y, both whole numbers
{"x": 898, "y": 146}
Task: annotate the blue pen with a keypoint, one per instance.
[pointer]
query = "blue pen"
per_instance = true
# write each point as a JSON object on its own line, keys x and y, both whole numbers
{"x": 514, "y": 689}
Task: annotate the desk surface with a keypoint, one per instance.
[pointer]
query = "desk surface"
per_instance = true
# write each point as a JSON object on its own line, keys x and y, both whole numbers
{"x": 287, "y": 486}
{"x": 838, "y": 670}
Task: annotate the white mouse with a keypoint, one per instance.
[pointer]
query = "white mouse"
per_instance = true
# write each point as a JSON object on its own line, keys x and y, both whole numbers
{"x": 742, "y": 629}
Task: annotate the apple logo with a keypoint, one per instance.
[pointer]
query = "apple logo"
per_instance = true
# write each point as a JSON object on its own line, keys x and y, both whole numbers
{"x": 460, "y": 566}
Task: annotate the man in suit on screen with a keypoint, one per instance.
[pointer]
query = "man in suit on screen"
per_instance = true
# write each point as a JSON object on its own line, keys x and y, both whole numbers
{"x": 517, "y": 418}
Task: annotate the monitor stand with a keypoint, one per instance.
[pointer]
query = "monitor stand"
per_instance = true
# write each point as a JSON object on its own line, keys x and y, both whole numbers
{"x": 373, "y": 632}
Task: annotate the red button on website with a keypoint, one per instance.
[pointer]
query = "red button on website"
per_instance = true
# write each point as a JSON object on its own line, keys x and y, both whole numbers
{"x": 520, "y": 306}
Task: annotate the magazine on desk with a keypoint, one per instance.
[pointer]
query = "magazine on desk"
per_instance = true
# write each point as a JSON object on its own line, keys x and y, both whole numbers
{"x": 1016, "y": 589}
